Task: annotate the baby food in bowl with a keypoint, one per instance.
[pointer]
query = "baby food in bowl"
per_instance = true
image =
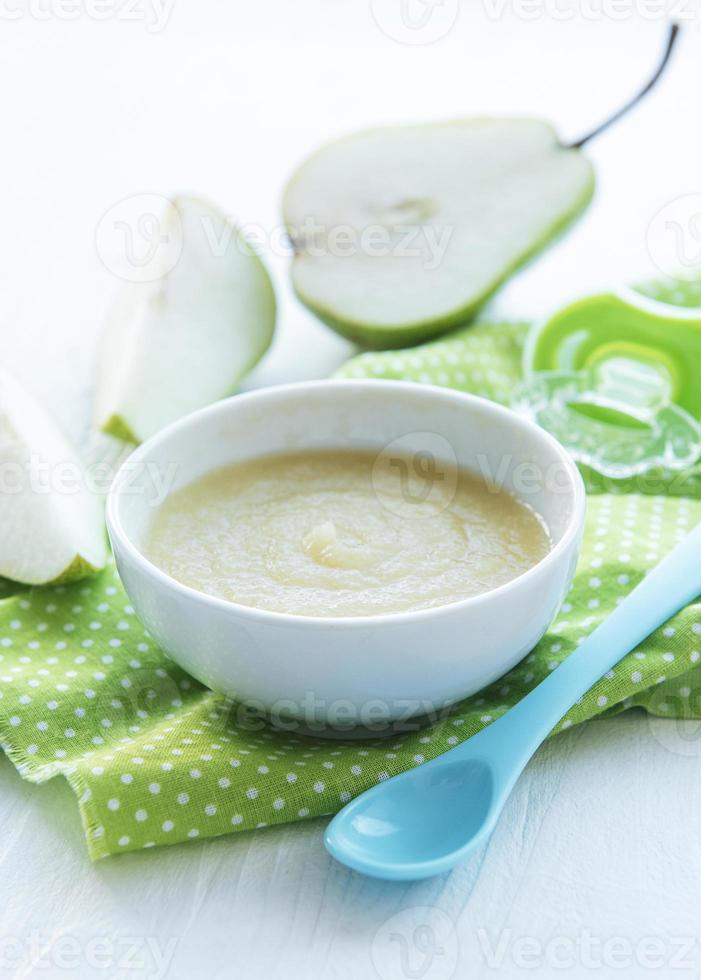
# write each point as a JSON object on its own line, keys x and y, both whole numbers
{"x": 342, "y": 533}
{"x": 347, "y": 554}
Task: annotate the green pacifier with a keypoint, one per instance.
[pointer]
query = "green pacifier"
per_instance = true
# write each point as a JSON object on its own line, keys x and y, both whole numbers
{"x": 617, "y": 379}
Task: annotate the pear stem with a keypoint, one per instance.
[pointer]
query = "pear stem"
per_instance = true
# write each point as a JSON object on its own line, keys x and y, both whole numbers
{"x": 671, "y": 38}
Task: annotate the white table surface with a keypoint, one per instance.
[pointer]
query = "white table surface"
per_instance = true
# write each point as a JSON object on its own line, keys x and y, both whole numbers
{"x": 600, "y": 843}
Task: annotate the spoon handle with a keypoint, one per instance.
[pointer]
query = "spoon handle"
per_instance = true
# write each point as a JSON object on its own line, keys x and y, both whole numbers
{"x": 669, "y": 586}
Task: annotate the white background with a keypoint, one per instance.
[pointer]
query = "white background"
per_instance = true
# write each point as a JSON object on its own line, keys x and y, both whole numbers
{"x": 600, "y": 841}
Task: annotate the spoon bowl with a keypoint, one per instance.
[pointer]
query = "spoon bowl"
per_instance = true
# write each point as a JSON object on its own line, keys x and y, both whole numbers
{"x": 418, "y": 822}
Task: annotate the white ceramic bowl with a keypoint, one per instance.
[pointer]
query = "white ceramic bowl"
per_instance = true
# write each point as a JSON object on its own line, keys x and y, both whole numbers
{"x": 358, "y": 671}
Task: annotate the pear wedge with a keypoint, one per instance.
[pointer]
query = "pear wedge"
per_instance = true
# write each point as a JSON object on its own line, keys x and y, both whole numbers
{"x": 51, "y": 523}
{"x": 186, "y": 338}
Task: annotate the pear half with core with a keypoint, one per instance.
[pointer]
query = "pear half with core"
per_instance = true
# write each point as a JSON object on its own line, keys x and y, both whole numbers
{"x": 51, "y": 525}
{"x": 188, "y": 336}
{"x": 402, "y": 232}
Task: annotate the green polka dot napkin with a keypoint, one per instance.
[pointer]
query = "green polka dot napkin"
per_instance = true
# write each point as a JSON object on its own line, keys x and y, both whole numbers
{"x": 155, "y": 758}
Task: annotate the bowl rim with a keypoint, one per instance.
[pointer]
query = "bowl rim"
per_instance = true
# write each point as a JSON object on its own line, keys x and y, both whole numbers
{"x": 411, "y": 389}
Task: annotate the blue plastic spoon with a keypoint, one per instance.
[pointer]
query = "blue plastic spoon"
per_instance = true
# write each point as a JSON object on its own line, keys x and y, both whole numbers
{"x": 427, "y": 820}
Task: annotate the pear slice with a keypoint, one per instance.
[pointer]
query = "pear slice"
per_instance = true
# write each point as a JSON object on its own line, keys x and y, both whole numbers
{"x": 51, "y": 523}
{"x": 403, "y": 232}
{"x": 186, "y": 338}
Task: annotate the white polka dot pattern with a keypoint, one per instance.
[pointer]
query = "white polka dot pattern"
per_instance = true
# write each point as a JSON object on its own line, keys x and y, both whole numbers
{"x": 155, "y": 758}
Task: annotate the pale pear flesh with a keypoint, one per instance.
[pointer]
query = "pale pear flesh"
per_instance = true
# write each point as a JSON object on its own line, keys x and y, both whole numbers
{"x": 51, "y": 520}
{"x": 185, "y": 339}
{"x": 402, "y": 232}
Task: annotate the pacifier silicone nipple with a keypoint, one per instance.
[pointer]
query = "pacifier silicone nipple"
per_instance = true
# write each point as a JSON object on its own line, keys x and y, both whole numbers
{"x": 617, "y": 379}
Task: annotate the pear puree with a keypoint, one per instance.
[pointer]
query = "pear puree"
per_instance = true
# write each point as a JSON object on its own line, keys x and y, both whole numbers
{"x": 342, "y": 533}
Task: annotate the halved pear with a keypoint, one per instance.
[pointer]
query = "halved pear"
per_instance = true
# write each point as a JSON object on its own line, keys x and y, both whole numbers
{"x": 405, "y": 231}
{"x": 186, "y": 338}
{"x": 51, "y": 523}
